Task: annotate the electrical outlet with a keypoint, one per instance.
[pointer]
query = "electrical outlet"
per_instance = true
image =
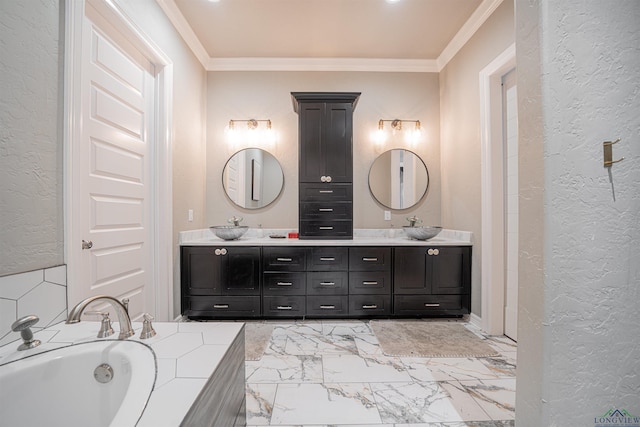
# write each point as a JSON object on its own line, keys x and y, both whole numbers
{"x": 190, "y": 214}
{"x": 387, "y": 215}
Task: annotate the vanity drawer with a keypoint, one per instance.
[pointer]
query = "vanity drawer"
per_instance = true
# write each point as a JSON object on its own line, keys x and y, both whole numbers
{"x": 284, "y": 306}
{"x": 369, "y": 259}
{"x": 326, "y": 210}
{"x": 284, "y": 259}
{"x": 223, "y": 306}
{"x": 284, "y": 283}
{"x": 370, "y": 282}
{"x": 326, "y": 192}
{"x": 327, "y": 306}
{"x": 326, "y": 229}
{"x": 369, "y": 305}
{"x": 428, "y": 304}
{"x": 327, "y": 283}
{"x": 328, "y": 258}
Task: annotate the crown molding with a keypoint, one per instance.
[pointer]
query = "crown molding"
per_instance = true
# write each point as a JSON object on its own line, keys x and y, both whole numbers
{"x": 184, "y": 29}
{"x": 322, "y": 64}
{"x": 475, "y": 21}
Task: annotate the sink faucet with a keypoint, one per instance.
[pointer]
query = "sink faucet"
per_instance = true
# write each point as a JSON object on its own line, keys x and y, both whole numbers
{"x": 123, "y": 317}
{"x": 235, "y": 221}
{"x": 413, "y": 221}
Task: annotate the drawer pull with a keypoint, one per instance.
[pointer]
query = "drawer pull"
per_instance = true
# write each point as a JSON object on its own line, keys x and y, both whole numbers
{"x": 284, "y": 259}
{"x": 432, "y": 305}
{"x": 325, "y": 228}
{"x": 327, "y": 307}
{"x": 222, "y": 306}
{"x": 369, "y": 283}
{"x": 325, "y": 210}
{"x": 284, "y": 307}
{"x": 369, "y": 307}
{"x": 327, "y": 283}
{"x": 370, "y": 259}
{"x": 327, "y": 259}
{"x": 325, "y": 191}
{"x": 285, "y": 284}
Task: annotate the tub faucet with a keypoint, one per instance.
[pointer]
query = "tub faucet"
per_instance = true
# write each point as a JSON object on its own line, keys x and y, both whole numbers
{"x": 123, "y": 317}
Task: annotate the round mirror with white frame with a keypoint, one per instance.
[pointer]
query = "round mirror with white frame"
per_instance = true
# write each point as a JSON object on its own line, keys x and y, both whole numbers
{"x": 252, "y": 178}
{"x": 398, "y": 179}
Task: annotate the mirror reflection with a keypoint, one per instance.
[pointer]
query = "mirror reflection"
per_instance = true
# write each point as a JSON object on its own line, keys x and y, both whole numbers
{"x": 252, "y": 178}
{"x": 398, "y": 179}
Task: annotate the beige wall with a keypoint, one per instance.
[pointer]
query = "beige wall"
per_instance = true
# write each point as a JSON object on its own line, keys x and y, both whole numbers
{"x": 460, "y": 137}
{"x": 267, "y": 95}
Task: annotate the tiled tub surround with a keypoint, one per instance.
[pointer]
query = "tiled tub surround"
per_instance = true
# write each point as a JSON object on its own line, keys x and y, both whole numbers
{"x": 187, "y": 354}
{"x": 40, "y": 291}
{"x": 333, "y": 373}
{"x": 361, "y": 237}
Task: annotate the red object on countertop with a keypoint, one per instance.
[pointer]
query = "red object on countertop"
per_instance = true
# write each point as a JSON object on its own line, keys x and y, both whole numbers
{"x": 293, "y": 235}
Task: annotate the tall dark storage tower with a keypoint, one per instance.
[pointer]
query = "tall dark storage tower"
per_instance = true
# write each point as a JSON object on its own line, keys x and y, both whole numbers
{"x": 325, "y": 163}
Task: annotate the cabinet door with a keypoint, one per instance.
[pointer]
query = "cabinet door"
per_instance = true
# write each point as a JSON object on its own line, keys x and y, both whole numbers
{"x": 240, "y": 271}
{"x": 410, "y": 271}
{"x": 337, "y": 142}
{"x": 200, "y": 271}
{"x": 311, "y": 124}
{"x": 450, "y": 270}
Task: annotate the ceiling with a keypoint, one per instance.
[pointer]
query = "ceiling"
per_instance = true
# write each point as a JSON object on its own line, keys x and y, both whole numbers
{"x": 411, "y": 32}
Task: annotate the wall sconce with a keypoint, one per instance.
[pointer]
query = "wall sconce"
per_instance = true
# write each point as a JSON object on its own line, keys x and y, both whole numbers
{"x": 252, "y": 134}
{"x": 412, "y": 136}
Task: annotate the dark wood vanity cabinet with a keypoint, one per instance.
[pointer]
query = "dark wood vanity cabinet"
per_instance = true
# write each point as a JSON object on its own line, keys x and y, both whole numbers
{"x": 223, "y": 282}
{"x": 220, "y": 281}
{"x": 432, "y": 281}
{"x": 325, "y": 167}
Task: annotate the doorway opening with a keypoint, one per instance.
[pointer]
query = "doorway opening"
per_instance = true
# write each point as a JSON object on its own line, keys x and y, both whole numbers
{"x": 494, "y": 203}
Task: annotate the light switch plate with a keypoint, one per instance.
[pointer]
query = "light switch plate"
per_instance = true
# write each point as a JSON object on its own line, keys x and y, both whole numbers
{"x": 387, "y": 215}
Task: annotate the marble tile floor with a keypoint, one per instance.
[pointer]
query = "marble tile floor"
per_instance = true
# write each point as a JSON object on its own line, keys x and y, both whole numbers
{"x": 334, "y": 374}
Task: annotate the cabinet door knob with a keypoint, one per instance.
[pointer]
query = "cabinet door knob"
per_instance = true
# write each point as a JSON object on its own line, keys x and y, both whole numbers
{"x": 217, "y": 252}
{"x": 327, "y": 179}
{"x": 87, "y": 245}
{"x": 436, "y": 251}
{"x": 430, "y": 251}
{"x": 323, "y": 178}
{"x": 223, "y": 251}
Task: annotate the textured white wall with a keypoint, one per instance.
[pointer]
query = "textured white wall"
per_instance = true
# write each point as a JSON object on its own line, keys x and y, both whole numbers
{"x": 585, "y": 330}
{"x": 460, "y": 138}
{"x": 30, "y": 142}
{"x": 267, "y": 95}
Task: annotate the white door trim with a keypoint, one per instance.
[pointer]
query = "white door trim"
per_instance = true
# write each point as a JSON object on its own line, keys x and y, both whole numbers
{"x": 492, "y": 181}
{"x": 161, "y": 156}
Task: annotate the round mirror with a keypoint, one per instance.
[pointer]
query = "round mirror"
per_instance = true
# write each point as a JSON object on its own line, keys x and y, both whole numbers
{"x": 252, "y": 178}
{"x": 398, "y": 179}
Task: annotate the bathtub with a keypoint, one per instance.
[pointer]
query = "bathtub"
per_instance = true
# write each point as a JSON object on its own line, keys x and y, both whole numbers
{"x": 58, "y": 388}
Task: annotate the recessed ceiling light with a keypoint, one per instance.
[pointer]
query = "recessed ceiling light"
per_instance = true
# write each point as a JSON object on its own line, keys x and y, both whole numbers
{"x": 392, "y": 1}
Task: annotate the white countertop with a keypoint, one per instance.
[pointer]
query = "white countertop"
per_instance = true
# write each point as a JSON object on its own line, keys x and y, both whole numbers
{"x": 361, "y": 237}
{"x": 187, "y": 353}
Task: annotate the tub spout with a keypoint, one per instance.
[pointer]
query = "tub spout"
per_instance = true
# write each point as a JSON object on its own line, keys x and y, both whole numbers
{"x": 126, "y": 330}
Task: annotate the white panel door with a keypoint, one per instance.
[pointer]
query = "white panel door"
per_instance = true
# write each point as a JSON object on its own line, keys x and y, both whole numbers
{"x": 115, "y": 152}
